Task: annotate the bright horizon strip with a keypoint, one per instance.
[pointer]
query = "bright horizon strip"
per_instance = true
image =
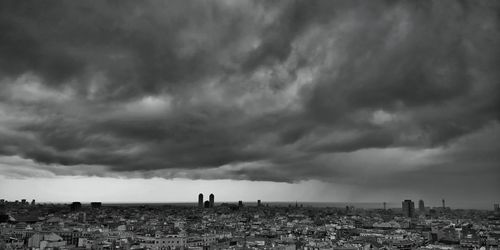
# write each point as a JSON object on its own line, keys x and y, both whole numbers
{"x": 66, "y": 189}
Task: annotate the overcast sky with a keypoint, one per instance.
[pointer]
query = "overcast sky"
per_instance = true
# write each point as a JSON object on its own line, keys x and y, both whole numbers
{"x": 277, "y": 100}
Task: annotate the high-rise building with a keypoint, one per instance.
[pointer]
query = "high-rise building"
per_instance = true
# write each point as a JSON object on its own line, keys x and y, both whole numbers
{"x": 258, "y": 203}
{"x": 496, "y": 207}
{"x": 75, "y": 206}
{"x": 33, "y": 202}
{"x": 408, "y": 208}
{"x": 385, "y": 205}
{"x": 444, "y": 204}
{"x": 421, "y": 206}
{"x": 240, "y": 203}
{"x": 212, "y": 199}
{"x": 200, "y": 200}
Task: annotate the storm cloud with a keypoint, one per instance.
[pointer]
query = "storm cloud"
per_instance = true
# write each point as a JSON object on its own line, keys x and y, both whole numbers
{"x": 340, "y": 91}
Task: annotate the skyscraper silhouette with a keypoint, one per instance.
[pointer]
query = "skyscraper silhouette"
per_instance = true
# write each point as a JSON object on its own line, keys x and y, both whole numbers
{"x": 75, "y": 206}
{"x": 212, "y": 199}
{"x": 408, "y": 208}
{"x": 200, "y": 200}
{"x": 421, "y": 206}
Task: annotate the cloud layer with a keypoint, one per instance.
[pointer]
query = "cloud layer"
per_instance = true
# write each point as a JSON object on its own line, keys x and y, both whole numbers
{"x": 338, "y": 91}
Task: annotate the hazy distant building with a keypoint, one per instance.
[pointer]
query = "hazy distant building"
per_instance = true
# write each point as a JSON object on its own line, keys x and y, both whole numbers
{"x": 207, "y": 204}
{"x": 496, "y": 207}
{"x": 349, "y": 209}
{"x": 444, "y": 204}
{"x": 240, "y": 203}
{"x": 212, "y": 200}
{"x": 33, "y": 202}
{"x": 408, "y": 208}
{"x": 258, "y": 203}
{"x": 421, "y": 206}
{"x": 75, "y": 206}
{"x": 200, "y": 200}
{"x": 385, "y": 205}
{"x": 96, "y": 205}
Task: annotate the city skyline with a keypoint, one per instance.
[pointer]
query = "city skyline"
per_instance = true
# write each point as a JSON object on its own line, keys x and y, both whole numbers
{"x": 243, "y": 226}
{"x": 407, "y": 206}
{"x": 200, "y": 202}
{"x": 327, "y": 101}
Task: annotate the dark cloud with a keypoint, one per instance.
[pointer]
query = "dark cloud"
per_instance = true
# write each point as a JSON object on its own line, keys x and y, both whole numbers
{"x": 337, "y": 91}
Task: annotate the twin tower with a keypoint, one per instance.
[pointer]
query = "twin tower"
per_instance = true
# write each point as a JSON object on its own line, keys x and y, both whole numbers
{"x": 206, "y": 204}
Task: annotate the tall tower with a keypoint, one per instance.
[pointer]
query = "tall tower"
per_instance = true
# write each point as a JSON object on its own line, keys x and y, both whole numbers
{"x": 200, "y": 200}
{"x": 385, "y": 205}
{"x": 408, "y": 208}
{"x": 212, "y": 199}
{"x": 444, "y": 205}
{"x": 421, "y": 206}
{"x": 258, "y": 203}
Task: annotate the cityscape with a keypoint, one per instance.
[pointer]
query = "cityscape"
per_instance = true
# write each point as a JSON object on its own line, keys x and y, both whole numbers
{"x": 208, "y": 224}
{"x": 250, "y": 124}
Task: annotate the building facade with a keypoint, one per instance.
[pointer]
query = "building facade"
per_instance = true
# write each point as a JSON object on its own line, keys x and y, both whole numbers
{"x": 408, "y": 208}
{"x": 163, "y": 243}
